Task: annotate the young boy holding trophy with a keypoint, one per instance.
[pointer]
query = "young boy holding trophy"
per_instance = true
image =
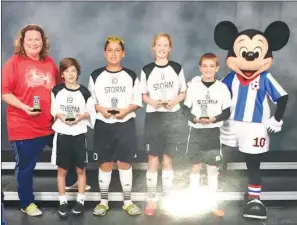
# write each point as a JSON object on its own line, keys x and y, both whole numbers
{"x": 206, "y": 105}
{"x": 73, "y": 109}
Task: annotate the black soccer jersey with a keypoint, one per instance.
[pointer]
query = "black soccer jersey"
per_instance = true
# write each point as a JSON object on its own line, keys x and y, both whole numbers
{"x": 162, "y": 83}
{"x": 72, "y": 102}
{"x": 115, "y": 90}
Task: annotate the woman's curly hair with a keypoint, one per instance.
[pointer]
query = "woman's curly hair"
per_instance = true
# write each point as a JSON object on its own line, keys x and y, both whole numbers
{"x": 19, "y": 41}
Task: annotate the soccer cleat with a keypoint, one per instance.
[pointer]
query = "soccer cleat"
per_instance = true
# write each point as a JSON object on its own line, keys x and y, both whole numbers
{"x": 218, "y": 212}
{"x": 150, "y": 209}
{"x": 100, "y": 210}
{"x": 63, "y": 210}
{"x": 132, "y": 209}
{"x": 255, "y": 209}
{"x": 77, "y": 209}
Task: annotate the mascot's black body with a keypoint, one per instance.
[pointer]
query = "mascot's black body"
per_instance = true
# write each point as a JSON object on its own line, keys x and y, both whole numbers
{"x": 251, "y": 85}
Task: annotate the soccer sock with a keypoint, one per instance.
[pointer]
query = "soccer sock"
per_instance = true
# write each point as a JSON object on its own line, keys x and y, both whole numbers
{"x": 151, "y": 182}
{"x": 80, "y": 198}
{"x": 212, "y": 177}
{"x": 62, "y": 199}
{"x": 167, "y": 179}
{"x": 194, "y": 180}
{"x": 126, "y": 177}
{"x": 254, "y": 191}
{"x": 104, "y": 181}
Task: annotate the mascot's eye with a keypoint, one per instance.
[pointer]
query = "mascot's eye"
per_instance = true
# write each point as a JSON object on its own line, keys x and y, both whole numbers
{"x": 257, "y": 52}
{"x": 243, "y": 51}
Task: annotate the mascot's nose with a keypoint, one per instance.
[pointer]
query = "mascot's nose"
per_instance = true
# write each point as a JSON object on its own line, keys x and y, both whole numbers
{"x": 250, "y": 56}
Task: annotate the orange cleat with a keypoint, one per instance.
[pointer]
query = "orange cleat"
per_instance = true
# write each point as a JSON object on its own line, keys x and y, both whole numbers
{"x": 218, "y": 212}
{"x": 150, "y": 209}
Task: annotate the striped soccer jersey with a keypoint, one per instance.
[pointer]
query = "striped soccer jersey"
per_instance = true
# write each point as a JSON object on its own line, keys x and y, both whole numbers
{"x": 250, "y": 101}
{"x": 162, "y": 83}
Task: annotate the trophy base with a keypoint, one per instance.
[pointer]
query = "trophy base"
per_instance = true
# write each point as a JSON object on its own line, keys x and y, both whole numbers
{"x": 203, "y": 117}
{"x": 113, "y": 112}
{"x": 164, "y": 103}
{"x": 70, "y": 119}
{"x": 36, "y": 110}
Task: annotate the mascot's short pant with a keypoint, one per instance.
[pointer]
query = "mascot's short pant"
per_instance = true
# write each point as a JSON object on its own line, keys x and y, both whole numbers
{"x": 250, "y": 138}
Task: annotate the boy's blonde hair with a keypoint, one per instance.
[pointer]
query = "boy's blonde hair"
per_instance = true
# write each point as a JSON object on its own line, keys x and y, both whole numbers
{"x": 210, "y": 56}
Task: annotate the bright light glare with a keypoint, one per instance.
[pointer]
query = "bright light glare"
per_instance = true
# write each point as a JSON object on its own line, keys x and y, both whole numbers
{"x": 190, "y": 203}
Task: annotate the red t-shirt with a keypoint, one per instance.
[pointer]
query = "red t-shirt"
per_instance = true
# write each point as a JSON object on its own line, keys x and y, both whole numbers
{"x": 26, "y": 78}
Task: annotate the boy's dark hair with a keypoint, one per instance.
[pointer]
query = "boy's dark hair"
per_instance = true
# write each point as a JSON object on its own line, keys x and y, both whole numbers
{"x": 66, "y": 63}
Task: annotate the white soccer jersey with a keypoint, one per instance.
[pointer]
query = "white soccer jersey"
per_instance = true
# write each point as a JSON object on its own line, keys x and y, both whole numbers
{"x": 77, "y": 101}
{"x": 115, "y": 90}
{"x": 207, "y": 101}
{"x": 162, "y": 83}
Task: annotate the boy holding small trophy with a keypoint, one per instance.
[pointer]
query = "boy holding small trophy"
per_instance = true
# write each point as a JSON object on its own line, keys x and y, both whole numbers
{"x": 206, "y": 105}
{"x": 73, "y": 109}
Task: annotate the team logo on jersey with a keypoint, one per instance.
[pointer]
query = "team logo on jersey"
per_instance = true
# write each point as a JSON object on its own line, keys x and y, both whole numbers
{"x": 162, "y": 76}
{"x": 207, "y": 96}
{"x": 114, "y": 102}
{"x": 255, "y": 85}
{"x": 69, "y": 99}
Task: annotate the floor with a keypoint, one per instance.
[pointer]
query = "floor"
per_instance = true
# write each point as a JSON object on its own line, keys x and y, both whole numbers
{"x": 284, "y": 214}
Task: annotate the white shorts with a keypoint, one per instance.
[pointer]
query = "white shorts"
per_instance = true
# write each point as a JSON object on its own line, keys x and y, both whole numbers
{"x": 251, "y": 138}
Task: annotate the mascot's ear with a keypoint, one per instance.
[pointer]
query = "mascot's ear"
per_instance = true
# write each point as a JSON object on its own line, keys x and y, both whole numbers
{"x": 224, "y": 34}
{"x": 277, "y": 34}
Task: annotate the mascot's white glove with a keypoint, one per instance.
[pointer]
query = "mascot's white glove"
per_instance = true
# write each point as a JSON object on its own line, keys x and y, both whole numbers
{"x": 274, "y": 126}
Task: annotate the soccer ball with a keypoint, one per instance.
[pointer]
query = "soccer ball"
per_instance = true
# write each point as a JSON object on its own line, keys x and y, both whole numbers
{"x": 255, "y": 85}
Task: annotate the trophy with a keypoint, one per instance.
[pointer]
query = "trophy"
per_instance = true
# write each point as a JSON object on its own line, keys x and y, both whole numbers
{"x": 70, "y": 116}
{"x": 163, "y": 100}
{"x": 203, "y": 107}
{"x": 114, "y": 106}
{"x": 203, "y": 112}
{"x": 36, "y": 104}
{"x": 70, "y": 108}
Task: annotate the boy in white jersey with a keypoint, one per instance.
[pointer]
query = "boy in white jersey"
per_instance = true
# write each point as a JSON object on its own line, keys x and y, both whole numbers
{"x": 115, "y": 90}
{"x": 206, "y": 105}
{"x": 163, "y": 87}
{"x": 73, "y": 109}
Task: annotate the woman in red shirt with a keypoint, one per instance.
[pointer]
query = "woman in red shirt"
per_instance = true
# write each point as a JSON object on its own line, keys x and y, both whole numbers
{"x": 27, "y": 79}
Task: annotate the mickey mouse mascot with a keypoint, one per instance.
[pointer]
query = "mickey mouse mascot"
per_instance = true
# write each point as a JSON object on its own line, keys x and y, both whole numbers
{"x": 249, "y": 58}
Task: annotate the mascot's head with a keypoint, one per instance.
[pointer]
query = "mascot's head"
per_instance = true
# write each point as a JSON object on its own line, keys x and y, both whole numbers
{"x": 250, "y": 51}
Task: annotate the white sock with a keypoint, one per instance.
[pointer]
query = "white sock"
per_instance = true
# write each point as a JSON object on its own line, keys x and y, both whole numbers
{"x": 194, "y": 180}
{"x": 80, "y": 198}
{"x": 62, "y": 199}
{"x": 126, "y": 177}
{"x": 151, "y": 183}
{"x": 212, "y": 176}
{"x": 104, "y": 182}
{"x": 167, "y": 179}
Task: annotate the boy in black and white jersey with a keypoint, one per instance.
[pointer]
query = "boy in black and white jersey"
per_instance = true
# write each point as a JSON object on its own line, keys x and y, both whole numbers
{"x": 115, "y": 90}
{"x": 206, "y": 105}
{"x": 163, "y": 87}
{"x": 73, "y": 108}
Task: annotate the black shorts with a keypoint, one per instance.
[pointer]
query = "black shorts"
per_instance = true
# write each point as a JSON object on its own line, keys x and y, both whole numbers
{"x": 115, "y": 142}
{"x": 204, "y": 146}
{"x": 162, "y": 132}
{"x": 71, "y": 151}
